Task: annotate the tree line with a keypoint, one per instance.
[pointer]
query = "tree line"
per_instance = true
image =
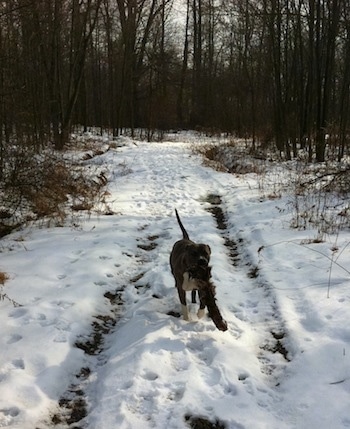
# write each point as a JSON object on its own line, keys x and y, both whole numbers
{"x": 273, "y": 71}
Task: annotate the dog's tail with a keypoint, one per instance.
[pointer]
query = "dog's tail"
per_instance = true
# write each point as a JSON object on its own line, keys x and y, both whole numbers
{"x": 184, "y": 232}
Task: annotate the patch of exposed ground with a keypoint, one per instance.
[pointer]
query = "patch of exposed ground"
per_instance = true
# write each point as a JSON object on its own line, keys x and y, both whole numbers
{"x": 195, "y": 422}
{"x": 221, "y": 223}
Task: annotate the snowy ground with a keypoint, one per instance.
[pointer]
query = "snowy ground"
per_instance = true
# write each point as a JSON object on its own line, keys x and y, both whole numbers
{"x": 72, "y": 355}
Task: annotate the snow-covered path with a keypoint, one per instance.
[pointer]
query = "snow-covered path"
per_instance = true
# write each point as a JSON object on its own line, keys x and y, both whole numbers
{"x": 174, "y": 368}
{"x": 283, "y": 363}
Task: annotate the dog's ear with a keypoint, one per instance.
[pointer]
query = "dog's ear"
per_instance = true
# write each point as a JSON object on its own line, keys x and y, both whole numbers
{"x": 208, "y": 249}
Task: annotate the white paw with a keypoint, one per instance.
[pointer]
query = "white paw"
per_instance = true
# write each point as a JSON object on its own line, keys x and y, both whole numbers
{"x": 200, "y": 313}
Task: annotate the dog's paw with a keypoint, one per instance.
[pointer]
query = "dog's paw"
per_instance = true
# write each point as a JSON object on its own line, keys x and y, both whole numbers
{"x": 200, "y": 313}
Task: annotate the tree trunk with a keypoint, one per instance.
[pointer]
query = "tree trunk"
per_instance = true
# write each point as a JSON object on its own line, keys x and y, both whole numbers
{"x": 180, "y": 107}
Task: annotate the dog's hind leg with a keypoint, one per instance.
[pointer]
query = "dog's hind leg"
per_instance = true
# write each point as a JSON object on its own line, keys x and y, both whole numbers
{"x": 201, "y": 310}
{"x": 182, "y": 296}
{"x": 200, "y": 313}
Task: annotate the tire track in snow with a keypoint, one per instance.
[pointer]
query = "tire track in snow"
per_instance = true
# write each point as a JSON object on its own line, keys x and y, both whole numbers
{"x": 262, "y": 312}
{"x": 73, "y": 405}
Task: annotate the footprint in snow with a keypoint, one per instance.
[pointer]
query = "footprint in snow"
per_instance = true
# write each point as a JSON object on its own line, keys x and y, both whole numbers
{"x": 61, "y": 276}
{"x": 179, "y": 362}
{"x": 9, "y": 412}
{"x": 204, "y": 350}
{"x": 11, "y": 339}
{"x": 44, "y": 321}
{"x": 230, "y": 389}
{"x": 247, "y": 382}
{"x": 105, "y": 258}
{"x": 100, "y": 283}
{"x": 78, "y": 252}
{"x": 150, "y": 376}
{"x": 127, "y": 385}
{"x": 176, "y": 391}
{"x": 243, "y": 376}
{"x": 18, "y": 312}
{"x": 18, "y": 363}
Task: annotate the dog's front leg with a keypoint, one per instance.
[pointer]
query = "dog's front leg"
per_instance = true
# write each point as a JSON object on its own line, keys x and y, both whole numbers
{"x": 185, "y": 312}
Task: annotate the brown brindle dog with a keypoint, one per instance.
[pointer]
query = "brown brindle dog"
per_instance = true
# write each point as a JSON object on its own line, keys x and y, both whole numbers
{"x": 189, "y": 263}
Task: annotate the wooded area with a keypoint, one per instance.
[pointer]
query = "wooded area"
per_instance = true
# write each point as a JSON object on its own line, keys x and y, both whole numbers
{"x": 274, "y": 71}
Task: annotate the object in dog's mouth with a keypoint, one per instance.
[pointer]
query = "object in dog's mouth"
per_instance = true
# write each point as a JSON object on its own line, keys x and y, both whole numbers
{"x": 200, "y": 272}
{"x": 213, "y": 311}
{"x": 207, "y": 294}
{"x": 206, "y": 290}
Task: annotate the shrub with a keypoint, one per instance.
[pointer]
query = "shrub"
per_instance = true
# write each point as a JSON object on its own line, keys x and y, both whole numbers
{"x": 36, "y": 186}
{"x": 3, "y": 278}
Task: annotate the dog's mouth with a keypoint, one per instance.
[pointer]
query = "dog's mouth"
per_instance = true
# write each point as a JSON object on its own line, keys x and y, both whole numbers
{"x": 199, "y": 272}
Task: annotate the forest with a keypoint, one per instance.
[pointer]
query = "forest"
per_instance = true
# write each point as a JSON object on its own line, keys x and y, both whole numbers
{"x": 112, "y": 114}
{"x": 276, "y": 72}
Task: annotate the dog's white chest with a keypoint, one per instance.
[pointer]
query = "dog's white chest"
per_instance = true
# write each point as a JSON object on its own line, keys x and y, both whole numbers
{"x": 189, "y": 283}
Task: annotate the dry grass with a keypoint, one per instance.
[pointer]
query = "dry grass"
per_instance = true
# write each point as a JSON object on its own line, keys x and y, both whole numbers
{"x": 48, "y": 186}
{"x": 4, "y": 296}
{"x": 230, "y": 156}
{"x": 3, "y": 278}
{"x": 209, "y": 152}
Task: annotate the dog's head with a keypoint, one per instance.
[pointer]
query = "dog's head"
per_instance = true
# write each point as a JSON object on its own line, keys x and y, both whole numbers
{"x": 197, "y": 255}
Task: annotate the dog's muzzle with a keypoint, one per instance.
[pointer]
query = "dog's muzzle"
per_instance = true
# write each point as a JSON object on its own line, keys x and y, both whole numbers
{"x": 203, "y": 262}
